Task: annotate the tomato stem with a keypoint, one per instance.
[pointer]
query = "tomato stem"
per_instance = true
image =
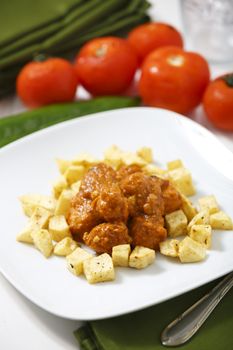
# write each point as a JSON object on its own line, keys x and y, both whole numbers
{"x": 40, "y": 57}
{"x": 229, "y": 80}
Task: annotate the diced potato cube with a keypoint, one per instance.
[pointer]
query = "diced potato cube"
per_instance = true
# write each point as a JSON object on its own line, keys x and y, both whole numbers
{"x": 201, "y": 218}
{"x": 63, "y": 165}
{"x": 201, "y": 234}
{"x": 74, "y": 173}
{"x": 31, "y": 201}
{"x": 76, "y": 259}
{"x": 151, "y": 169}
{"x": 141, "y": 257}
{"x": 84, "y": 159}
{"x": 43, "y": 241}
{"x": 59, "y": 186}
{"x": 120, "y": 255}
{"x": 129, "y": 158}
{"x": 208, "y": 203}
{"x": 174, "y": 164}
{"x": 221, "y": 221}
{"x": 182, "y": 180}
{"x": 65, "y": 247}
{"x": 113, "y": 156}
{"x": 176, "y": 223}
{"x": 170, "y": 247}
{"x": 39, "y": 219}
{"x": 99, "y": 269}
{"x": 146, "y": 154}
{"x": 191, "y": 251}
{"x": 59, "y": 228}
{"x": 25, "y": 235}
{"x": 76, "y": 186}
{"x": 63, "y": 203}
{"x": 188, "y": 208}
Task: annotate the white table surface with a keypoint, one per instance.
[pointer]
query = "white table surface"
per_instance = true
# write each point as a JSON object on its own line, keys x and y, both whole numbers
{"x": 22, "y": 324}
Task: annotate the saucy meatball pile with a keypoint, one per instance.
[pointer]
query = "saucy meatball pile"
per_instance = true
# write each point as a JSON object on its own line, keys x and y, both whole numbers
{"x": 125, "y": 206}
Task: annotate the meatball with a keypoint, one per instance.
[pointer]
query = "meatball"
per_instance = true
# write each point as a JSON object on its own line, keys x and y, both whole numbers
{"x": 126, "y": 170}
{"x": 112, "y": 206}
{"x": 144, "y": 194}
{"x": 97, "y": 179}
{"x": 82, "y": 216}
{"x": 172, "y": 199}
{"x": 104, "y": 237}
{"x": 147, "y": 231}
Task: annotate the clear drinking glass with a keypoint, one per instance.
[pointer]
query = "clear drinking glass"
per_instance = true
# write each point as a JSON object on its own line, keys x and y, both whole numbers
{"x": 208, "y": 25}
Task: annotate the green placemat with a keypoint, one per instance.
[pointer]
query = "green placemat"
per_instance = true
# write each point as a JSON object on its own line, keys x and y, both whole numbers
{"x": 141, "y": 330}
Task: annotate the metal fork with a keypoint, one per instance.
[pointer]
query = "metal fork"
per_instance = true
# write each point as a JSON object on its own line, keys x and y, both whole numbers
{"x": 187, "y": 324}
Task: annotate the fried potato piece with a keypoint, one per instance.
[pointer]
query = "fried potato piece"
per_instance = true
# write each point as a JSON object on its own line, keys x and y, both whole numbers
{"x": 141, "y": 257}
{"x": 113, "y": 157}
{"x": 85, "y": 159}
{"x": 170, "y": 247}
{"x": 153, "y": 170}
{"x": 176, "y": 223}
{"x": 188, "y": 208}
{"x": 208, "y": 203}
{"x": 65, "y": 247}
{"x": 74, "y": 173}
{"x": 174, "y": 164}
{"x": 191, "y": 251}
{"x": 25, "y": 235}
{"x": 182, "y": 180}
{"x": 99, "y": 269}
{"x": 59, "y": 228}
{"x": 59, "y": 186}
{"x": 64, "y": 203}
{"x": 63, "y": 165}
{"x": 221, "y": 221}
{"x": 43, "y": 242}
{"x": 146, "y": 154}
{"x": 120, "y": 255}
{"x": 76, "y": 186}
{"x": 201, "y": 234}
{"x": 201, "y": 218}
{"x": 39, "y": 220}
{"x": 76, "y": 259}
{"x": 31, "y": 201}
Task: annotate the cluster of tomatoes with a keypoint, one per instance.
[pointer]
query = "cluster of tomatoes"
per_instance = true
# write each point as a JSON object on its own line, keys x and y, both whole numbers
{"x": 170, "y": 77}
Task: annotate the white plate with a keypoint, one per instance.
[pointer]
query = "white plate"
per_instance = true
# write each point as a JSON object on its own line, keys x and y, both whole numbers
{"x": 27, "y": 166}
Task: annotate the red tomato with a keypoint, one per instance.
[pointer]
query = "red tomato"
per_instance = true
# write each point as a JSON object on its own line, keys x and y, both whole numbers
{"x": 173, "y": 79}
{"x": 106, "y": 66}
{"x": 218, "y": 102}
{"x": 150, "y": 36}
{"x": 44, "y": 82}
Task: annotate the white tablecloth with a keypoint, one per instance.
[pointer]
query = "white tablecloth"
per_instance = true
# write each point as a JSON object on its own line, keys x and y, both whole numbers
{"x": 22, "y": 324}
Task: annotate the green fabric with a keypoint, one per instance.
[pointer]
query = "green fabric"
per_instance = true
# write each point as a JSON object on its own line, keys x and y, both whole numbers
{"x": 141, "y": 330}
{"x": 94, "y": 10}
{"x": 18, "y": 17}
{"x": 64, "y": 35}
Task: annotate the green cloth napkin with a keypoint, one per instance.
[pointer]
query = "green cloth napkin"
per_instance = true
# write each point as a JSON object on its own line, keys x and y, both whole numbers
{"x": 81, "y": 21}
{"x": 141, "y": 330}
{"x": 19, "y": 17}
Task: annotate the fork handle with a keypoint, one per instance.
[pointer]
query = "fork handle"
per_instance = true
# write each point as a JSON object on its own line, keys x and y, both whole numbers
{"x": 187, "y": 324}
